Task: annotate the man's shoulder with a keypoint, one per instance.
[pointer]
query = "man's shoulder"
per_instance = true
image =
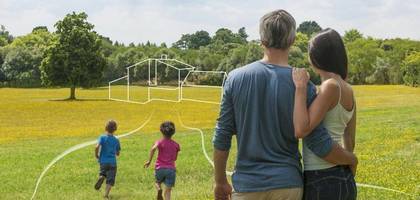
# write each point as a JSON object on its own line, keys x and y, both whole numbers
{"x": 245, "y": 70}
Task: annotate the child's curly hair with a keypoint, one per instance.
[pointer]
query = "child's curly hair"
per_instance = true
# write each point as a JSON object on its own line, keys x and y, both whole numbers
{"x": 167, "y": 128}
{"x": 111, "y": 126}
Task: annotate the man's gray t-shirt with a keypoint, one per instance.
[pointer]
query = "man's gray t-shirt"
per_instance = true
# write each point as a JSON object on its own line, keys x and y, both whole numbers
{"x": 257, "y": 106}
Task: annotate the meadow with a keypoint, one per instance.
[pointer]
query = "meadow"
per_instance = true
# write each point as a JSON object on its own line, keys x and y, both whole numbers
{"x": 36, "y": 125}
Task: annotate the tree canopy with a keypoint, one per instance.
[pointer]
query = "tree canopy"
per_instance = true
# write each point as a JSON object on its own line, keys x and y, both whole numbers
{"x": 352, "y": 35}
{"x": 74, "y": 58}
{"x": 5, "y": 36}
{"x": 411, "y": 69}
{"x": 193, "y": 41}
{"x": 309, "y": 28}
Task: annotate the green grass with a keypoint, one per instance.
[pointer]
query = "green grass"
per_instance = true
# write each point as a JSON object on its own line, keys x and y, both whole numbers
{"x": 34, "y": 129}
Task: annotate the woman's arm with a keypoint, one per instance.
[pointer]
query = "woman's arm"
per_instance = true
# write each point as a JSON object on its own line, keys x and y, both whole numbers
{"x": 151, "y": 154}
{"x": 300, "y": 112}
{"x": 350, "y": 132}
{"x": 305, "y": 120}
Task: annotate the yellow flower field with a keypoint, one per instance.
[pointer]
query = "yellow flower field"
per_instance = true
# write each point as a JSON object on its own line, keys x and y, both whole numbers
{"x": 36, "y": 125}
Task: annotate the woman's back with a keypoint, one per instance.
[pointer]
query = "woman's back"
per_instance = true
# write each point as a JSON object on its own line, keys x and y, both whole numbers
{"x": 335, "y": 121}
{"x": 337, "y": 118}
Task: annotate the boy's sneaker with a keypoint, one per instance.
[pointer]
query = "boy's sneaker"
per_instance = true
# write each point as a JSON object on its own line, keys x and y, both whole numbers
{"x": 159, "y": 195}
{"x": 99, "y": 182}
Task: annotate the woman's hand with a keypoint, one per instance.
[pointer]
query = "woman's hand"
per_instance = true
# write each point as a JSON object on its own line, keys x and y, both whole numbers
{"x": 300, "y": 77}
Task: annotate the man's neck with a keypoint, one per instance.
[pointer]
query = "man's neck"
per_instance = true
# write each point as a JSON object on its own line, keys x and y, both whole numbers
{"x": 276, "y": 56}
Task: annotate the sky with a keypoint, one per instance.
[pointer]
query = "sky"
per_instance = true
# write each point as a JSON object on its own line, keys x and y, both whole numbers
{"x": 166, "y": 20}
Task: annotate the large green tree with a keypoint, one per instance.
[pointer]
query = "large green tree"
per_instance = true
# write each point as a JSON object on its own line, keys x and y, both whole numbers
{"x": 193, "y": 41}
{"x": 74, "y": 58}
{"x": 352, "y": 35}
{"x": 396, "y": 50}
{"x": 22, "y": 60}
{"x": 21, "y": 67}
{"x": 226, "y": 36}
{"x": 309, "y": 28}
{"x": 362, "y": 55}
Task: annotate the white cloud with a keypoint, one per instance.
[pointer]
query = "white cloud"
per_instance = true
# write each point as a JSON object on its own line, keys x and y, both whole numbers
{"x": 165, "y": 21}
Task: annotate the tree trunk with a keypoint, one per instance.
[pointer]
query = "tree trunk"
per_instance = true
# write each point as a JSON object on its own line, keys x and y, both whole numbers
{"x": 72, "y": 93}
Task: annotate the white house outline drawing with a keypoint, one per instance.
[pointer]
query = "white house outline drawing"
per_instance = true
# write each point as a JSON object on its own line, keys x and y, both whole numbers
{"x": 152, "y": 83}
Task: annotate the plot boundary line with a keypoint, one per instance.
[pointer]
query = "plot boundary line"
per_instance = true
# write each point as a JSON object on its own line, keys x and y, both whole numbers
{"x": 202, "y": 143}
{"x": 152, "y": 82}
{"x": 382, "y": 188}
{"x": 78, "y": 147}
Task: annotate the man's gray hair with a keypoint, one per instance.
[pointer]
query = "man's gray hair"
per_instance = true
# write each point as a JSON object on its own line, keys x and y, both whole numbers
{"x": 277, "y": 29}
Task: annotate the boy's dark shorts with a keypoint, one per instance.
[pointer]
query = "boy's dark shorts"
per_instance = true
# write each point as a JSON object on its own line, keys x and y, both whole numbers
{"x": 109, "y": 171}
{"x": 166, "y": 176}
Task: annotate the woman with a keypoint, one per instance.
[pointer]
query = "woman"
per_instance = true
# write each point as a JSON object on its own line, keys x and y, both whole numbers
{"x": 336, "y": 108}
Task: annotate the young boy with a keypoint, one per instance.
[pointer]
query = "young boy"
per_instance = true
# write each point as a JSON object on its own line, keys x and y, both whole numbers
{"x": 165, "y": 170}
{"x": 106, "y": 150}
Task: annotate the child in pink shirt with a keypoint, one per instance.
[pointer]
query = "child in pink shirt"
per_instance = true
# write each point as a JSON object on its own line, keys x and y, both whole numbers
{"x": 165, "y": 170}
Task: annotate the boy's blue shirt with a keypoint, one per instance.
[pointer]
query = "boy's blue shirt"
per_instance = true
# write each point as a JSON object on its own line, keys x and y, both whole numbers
{"x": 110, "y": 145}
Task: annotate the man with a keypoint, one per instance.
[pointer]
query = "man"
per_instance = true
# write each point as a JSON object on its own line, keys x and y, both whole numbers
{"x": 257, "y": 106}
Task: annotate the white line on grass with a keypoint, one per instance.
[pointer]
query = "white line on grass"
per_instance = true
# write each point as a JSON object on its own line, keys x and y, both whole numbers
{"x": 77, "y": 147}
{"x": 202, "y": 143}
{"x": 382, "y": 188}
{"x": 230, "y": 173}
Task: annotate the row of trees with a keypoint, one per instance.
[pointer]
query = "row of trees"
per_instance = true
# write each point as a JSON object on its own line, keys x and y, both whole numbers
{"x": 75, "y": 55}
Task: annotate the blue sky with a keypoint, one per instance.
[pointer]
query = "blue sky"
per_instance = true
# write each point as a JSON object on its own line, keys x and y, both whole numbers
{"x": 164, "y": 21}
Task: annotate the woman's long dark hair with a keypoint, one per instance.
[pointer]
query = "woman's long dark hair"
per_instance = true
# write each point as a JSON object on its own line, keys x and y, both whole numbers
{"x": 327, "y": 52}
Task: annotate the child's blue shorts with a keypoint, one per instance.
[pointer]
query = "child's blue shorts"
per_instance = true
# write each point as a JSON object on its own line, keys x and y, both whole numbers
{"x": 109, "y": 171}
{"x": 166, "y": 176}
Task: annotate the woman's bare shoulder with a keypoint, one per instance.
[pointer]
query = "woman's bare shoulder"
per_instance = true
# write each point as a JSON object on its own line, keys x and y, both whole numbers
{"x": 330, "y": 86}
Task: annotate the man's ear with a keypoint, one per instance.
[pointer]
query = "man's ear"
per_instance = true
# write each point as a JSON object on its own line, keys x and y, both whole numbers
{"x": 264, "y": 44}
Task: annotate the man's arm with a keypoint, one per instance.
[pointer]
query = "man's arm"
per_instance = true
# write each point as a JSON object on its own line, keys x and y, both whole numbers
{"x": 222, "y": 190}
{"x": 222, "y": 139}
{"x": 339, "y": 156}
{"x": 321, "y": 144}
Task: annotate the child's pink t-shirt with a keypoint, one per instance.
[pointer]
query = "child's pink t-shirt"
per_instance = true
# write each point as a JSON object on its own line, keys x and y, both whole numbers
{"x": 168, "y": 152}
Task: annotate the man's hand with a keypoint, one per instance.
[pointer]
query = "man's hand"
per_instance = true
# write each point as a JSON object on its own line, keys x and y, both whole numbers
{"x": 147, "y": 164}
{"x": 353, "y": 167}
{"x": 300, "y": 77}
{"x": 222, "y": 191}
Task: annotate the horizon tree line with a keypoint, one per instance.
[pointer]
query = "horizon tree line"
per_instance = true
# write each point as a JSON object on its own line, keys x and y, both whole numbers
{"x": 75, "y": 55}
